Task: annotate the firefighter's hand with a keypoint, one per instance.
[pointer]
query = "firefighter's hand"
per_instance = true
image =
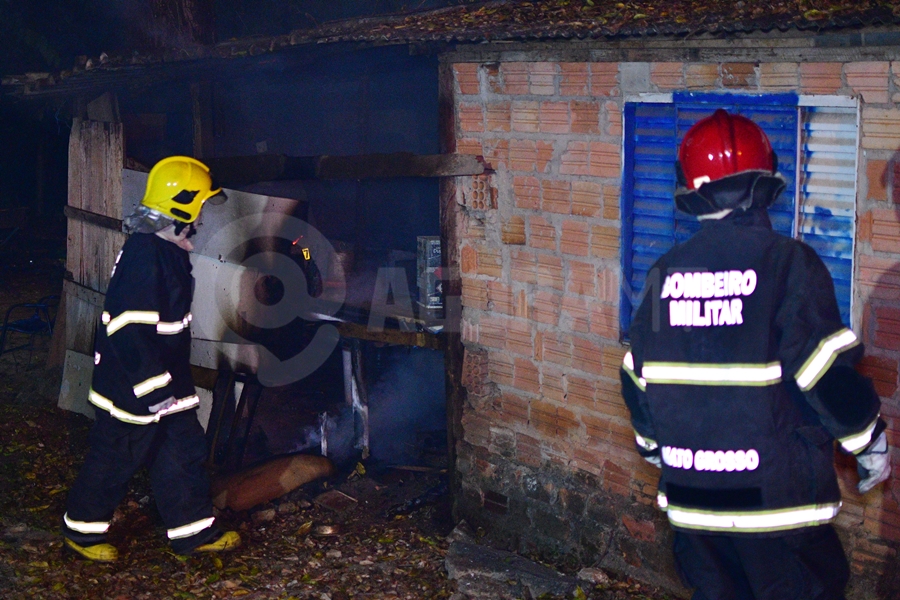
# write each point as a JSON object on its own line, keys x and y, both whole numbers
{"x": 873, "y": 464}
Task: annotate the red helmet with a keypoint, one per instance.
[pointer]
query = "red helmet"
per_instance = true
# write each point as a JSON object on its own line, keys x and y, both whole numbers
{"x": 723, "y": 144}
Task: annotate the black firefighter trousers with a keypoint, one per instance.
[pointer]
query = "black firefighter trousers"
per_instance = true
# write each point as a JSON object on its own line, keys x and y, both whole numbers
{"x": 174, "y": 450}
{"x": 807, "y": 564}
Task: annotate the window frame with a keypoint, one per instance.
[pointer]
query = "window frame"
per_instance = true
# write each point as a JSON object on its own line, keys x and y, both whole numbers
{"x": 629, "y": 298}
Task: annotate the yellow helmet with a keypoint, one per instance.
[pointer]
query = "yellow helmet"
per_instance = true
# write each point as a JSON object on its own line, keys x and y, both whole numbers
{"x": 178, "y": 186}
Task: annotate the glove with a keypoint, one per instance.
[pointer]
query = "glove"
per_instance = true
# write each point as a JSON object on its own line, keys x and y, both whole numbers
{"x": 873, "y": 464}
{"x": 655, "y": 460}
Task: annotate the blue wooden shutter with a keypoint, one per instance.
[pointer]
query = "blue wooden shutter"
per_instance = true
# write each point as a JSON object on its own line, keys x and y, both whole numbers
{"x": 648, "y": 217}
{"x": 827, "y": 207}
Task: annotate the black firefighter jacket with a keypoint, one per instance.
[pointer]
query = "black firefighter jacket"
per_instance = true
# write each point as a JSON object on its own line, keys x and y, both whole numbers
{"x": 143, "y": 344}
{"x": 740, "y": 376}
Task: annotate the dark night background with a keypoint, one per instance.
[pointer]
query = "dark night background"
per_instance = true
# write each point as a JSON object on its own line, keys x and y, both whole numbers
{"x": 50, "y": 35}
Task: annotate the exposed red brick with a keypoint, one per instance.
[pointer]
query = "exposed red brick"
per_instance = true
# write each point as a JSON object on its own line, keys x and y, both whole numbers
{"x": 586, "y": 198}
{"x": 870, "y": 79}
{"x": 880, "y": 128}
{"x": 527, "y": 192}
{"x": 613, "y": 118}
{"x": 608, "y": 286}
{"x": 739, "y": 75}
{"x": 887, "y": 328}
{"x": 612, "y": 360}
{"x": 573, "y": 79}
{"x": 557, "y": 349}
{"x": 575, "y": 315}
{"x": 585, "y": 116}
{"x": 820, "y": 77}
{"x": 553, "y": 383}
{"x": 475, "y": 371}
{"x": 554, "y": 117}
{"x": 605, "y": 321}
{"x": 525, "y": 116}
{"x": 574, "y": 239}
{"x": 512, "y": 232}
{"x": 519, "y": 337}
{"x": 468, "y": 260}
{"x": 542, "y": 234}
{"x": 892, "y": 178}
{"x": 500, "y": 367}
{"x": 522, "y": 155}
{"x": 604, "y": 241}
{"x": 576, "y": 159}
{"x": 551, "y": 420}
{"x": 886, "y": 230}
{"x": 490, "y": 260}
{"x": 492, "y": 70}
{"x": 582, "y": 279}
{"x": 545, "y": 307}
{"x": 779, "y": 76}
{"x": 498, "y": 116}
{"x": 528, "y": 450}
{"x": 556, "y": 196}
{"x": 496, "y": 153}
{"x": 514, "y": 408}
{"x": 467, "y": 78}
{"x": 523, "y": 266}
{"x": 544, "y": 155}
{"x": 542, "y": 78}
{"x": 587, "y": 356}
{"x": 514, "y": 76}
{"x": 526, "y": 376}
{"x": 605, "y": 159}
{"x": 469, "y": 146}
{"x": 500, "y": 297}
{"x": 877, "y": 179}
{"x": 474, "y": 293}
{"x": 471, "y": 118}
{"x": 604, "y": 79}
{"x": 550, "y": 271}
{"x": 882, "y": 371}
{"x": 469, "y": 331}
{"x": 580, "y": 392}
{"x": 701, "y": 75}
{"x": 611, "y": 195}
{"x": 667, "y": 75}
{"x": 596, "y": 427}
{"x": 879, "y": 277}
{"x": 492, "y": 332}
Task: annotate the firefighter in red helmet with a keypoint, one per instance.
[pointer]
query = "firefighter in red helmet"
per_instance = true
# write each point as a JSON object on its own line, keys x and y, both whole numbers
{"x": 739, "y": 380}
{"x": 142, "y": 388}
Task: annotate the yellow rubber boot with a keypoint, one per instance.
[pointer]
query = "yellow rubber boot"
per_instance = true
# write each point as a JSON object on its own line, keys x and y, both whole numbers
{"x": 97, "y": 552}
{"x": 227, "y": 541}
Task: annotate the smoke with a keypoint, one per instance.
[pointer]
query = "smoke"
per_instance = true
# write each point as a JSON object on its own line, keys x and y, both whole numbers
{"x": 407, "y": 402}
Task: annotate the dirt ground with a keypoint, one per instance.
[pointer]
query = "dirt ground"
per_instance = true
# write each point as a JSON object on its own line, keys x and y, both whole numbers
{"x": 390, "y": 541}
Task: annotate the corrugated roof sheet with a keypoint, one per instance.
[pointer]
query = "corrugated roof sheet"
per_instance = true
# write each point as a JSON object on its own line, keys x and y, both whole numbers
{"x": 507, "y": 20}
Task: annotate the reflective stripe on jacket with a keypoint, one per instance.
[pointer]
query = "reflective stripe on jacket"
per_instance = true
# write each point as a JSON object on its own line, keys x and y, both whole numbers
{"x": 737, "y": 349}
{"x": 143, "y": 343}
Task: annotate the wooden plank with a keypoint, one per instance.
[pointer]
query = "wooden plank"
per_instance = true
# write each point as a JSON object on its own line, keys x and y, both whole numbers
{"x": 420, "y": 339}
{"x": 73, "y": 236}
{"x": 93, "y": 218}
{"x": 81, "y": 323}
{"x": 85, "y": 294}
{"x": 76, "y": 382}
{"x": 237, "y": 171}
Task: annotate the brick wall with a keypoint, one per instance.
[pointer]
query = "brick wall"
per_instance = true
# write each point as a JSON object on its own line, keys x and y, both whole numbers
{"x": 547, "y": 458}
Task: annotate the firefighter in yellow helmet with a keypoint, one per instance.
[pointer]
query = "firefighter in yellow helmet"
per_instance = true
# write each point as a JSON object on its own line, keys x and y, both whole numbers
{"x": 142, "y": 388}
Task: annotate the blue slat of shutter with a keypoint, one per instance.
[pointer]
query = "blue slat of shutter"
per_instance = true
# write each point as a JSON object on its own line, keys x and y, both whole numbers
{"x": 779, "y": 121}
{"x": 827, "y": 204}
{"x": 648, "y": 227}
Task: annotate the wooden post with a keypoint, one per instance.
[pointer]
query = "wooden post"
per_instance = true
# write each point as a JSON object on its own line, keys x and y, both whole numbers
{"x": 453, "y": 355}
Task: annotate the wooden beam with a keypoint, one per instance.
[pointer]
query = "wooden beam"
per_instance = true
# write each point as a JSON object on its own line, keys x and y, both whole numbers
{"x": 397, "y": 337}
{"x": 93, "y": 218}
{"x": 243, "y": 170}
